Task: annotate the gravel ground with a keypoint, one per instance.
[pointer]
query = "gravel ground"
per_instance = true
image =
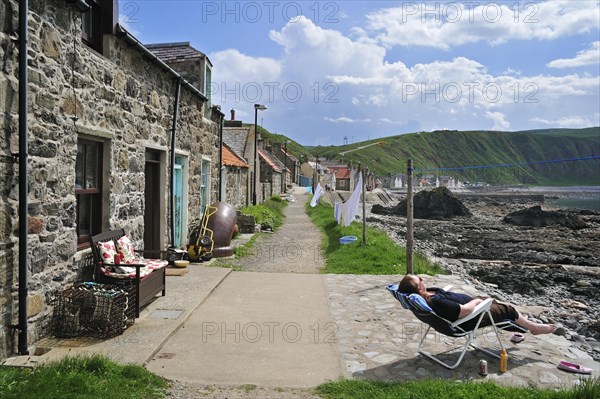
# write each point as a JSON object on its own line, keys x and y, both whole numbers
{"x": 294, "y": 249}
{"x": 183, "y": 390}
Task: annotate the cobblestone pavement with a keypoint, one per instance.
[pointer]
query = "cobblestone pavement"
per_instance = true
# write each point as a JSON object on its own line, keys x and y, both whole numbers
{"x": 378, "y": 340}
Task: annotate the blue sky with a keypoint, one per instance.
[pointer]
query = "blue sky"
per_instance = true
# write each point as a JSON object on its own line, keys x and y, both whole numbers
{"x": 358, "y": 70}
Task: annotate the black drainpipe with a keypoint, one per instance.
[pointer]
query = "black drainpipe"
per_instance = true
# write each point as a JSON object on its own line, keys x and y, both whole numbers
{"x": 23, "y": 183}
{"x": 221, "y": 118}
{"x": 173, "y": 145}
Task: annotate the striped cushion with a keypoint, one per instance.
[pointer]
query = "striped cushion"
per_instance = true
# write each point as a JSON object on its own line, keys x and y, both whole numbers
{"x": 419, "y": 302}
{"x": 410, "y": 302}
{"x": 401, "y": 297}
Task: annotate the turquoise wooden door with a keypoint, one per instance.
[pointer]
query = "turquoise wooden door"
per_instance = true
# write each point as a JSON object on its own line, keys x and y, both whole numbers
{"x": 178, "y": 201}
{"x": 204, "y": 188}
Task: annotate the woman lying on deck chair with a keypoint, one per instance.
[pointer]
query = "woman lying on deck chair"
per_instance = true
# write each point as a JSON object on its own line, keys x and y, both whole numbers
{"x": 452, "y": 306}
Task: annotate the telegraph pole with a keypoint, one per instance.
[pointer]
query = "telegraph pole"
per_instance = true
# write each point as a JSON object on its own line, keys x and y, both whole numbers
{"x": 409, "y": 218}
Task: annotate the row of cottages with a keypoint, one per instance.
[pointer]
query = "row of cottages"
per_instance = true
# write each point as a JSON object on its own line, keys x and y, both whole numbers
{"x": 102, "y": 112}
{"x": 273, "y": 177}
{"x": 290, "y": 162}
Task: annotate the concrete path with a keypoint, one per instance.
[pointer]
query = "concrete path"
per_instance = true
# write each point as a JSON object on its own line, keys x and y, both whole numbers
{"x": 157, "y": 322}
{"x": 267, "y": 329}
{"x": 271, "y": 328}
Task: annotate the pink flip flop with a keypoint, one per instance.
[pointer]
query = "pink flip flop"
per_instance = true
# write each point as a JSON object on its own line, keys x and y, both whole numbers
{"x": 574, "y": 368}
{"x": 517, "y": 337}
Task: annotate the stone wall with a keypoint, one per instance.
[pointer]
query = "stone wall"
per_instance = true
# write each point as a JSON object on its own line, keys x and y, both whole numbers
{"x": 236, "y": 186}
{"x": 119, "y": 97}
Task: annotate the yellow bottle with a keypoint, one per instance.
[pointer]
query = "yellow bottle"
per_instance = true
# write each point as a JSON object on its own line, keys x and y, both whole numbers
{"x": 503, "y": 361}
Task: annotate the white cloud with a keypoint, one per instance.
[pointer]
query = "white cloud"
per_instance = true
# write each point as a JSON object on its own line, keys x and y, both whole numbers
{"x": 315, "y": 52}
{"x": 345, "y": 119}
{"x": 233, "y": 66}
{"x": 571, "y": 121}
{"x": 446, "y": 25}
{"x": 499, "y": 119}
{"x": 590, "y": 56}
{"x": 460, "y": 93}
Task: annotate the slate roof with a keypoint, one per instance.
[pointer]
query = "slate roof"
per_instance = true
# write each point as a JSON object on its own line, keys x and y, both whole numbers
{"x": 270, "y": 160}
{"x": 236, "y": 138}
{"x": 230, "y": 158}
{"x": 278, "y": 162}
{"x": 181, "y": 51}
{"x": 289, "y": 156}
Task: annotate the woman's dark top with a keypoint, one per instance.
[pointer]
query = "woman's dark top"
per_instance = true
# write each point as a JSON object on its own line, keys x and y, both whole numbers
{"x": 447, "y": 304}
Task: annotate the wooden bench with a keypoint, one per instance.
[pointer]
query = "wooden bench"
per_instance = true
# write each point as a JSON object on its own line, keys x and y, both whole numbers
{"x": 146, "y": 286}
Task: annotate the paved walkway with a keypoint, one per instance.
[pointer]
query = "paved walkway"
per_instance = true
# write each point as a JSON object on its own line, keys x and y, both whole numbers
{"x": 267, "y": 329}
{"x": 344, "y": 325}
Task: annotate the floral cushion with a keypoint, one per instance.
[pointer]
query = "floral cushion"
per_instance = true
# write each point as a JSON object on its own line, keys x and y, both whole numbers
{"x": 107, "y": 252}
{"x": 125, "y": 247}
{"x": 126, "y": 272}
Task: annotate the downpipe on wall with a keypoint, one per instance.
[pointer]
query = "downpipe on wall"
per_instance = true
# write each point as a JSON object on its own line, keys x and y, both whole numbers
{"x": 23, "y": 181}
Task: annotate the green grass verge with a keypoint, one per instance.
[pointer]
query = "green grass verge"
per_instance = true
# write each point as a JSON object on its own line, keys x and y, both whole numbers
{"x": 380, "y": 255}
{"x": 268, "y": 214}
{"x": 352, "y": 389}
{"x": 81, "y": 378}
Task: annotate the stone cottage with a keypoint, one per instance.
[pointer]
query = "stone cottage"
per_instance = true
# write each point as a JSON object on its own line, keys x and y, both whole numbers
{"x": 292, "y": 164}
{"x": 240, "y": 138}
{"x": 102, "y": 111}
{"x": 270, "y": 172}
{"x": 234, "y": 184}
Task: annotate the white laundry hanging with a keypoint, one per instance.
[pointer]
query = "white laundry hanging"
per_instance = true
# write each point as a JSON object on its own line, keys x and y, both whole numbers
{"x": 353, "y": 202}
{"x": 338, "y": 210}
{"x": 315, "y": 198}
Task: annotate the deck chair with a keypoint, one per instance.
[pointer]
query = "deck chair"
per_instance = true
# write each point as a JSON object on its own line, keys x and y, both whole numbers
{"x": 416, "y": 304}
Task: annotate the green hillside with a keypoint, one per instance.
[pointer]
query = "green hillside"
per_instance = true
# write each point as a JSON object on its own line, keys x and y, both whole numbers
{"x": 453, "y": 149}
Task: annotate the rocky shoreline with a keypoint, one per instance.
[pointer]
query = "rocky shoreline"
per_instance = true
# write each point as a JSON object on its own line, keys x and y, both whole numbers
{"x": 552, "y": 272}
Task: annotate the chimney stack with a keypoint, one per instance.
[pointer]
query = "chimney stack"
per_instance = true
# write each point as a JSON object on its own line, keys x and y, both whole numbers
{"x": 232, "y": 114}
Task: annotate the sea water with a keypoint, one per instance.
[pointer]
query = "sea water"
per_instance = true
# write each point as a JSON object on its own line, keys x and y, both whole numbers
{"x": 577, "y": 203}
{"x": 572, "y": 197}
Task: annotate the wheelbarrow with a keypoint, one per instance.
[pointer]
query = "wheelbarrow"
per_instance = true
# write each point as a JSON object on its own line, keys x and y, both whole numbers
{"x": 201, "y": 239}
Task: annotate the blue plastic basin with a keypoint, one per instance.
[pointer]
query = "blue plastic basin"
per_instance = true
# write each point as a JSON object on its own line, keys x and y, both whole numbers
{"x": 347, "y": 239}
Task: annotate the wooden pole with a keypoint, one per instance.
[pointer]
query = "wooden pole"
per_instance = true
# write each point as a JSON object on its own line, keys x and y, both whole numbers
{"x": 409, "y": 218}
{"x": 364, "y": 195}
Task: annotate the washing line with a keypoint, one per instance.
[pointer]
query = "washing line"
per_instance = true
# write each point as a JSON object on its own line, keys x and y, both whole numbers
{"x": 505, "y": 165}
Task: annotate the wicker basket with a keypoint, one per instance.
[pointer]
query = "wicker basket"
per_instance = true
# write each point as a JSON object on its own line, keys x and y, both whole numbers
{"x": 93, "y": 310}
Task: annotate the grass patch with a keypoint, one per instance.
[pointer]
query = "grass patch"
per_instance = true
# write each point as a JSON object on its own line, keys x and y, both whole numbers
{"x": 81, "y": 378}
{"x": 248, "y": 387}
{"x": 347, "y": 389}
{"x": 247, "y": 249}
{"x": 381, "y": 255}
{"x": 268, "y": 214}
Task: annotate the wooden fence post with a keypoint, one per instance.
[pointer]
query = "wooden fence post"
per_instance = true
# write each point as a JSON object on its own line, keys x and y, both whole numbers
{"x": 409, "y": 218}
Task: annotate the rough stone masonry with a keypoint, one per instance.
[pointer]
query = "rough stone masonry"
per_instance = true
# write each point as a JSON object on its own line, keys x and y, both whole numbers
{"x": 119, "y": 98}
